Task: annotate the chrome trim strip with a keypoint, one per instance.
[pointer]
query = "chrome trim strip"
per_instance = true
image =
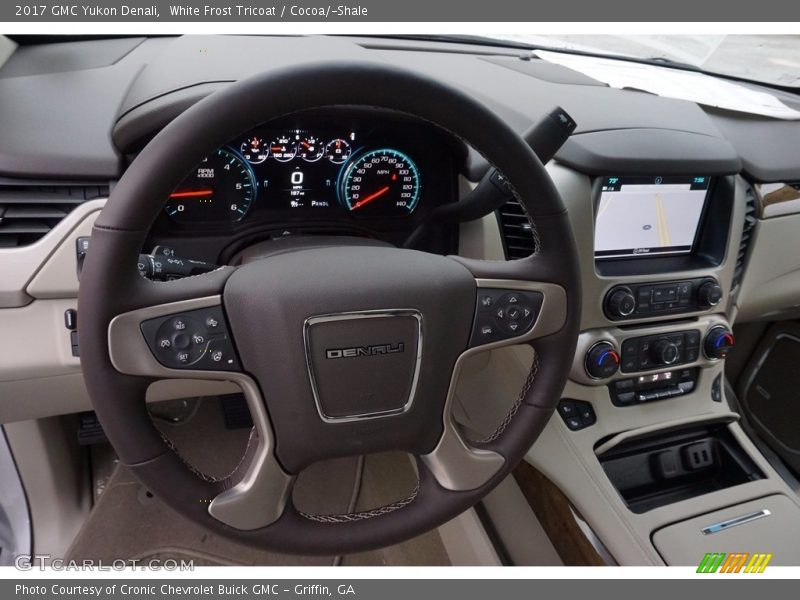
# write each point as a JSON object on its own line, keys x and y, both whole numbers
{"x": 735, "y": 522}
{"x": 352, "y": 316}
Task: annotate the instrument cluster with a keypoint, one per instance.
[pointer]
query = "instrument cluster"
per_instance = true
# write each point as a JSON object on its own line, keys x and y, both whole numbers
{"x": 318, "y": 167}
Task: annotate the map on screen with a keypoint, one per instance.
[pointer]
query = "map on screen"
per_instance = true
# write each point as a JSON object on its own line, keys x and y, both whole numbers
{"x": 647, "y": 216}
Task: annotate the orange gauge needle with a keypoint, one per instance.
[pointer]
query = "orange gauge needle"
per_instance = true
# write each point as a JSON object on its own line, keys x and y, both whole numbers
{"x": 371, "y": 197}
{"x": 192, "y": 194}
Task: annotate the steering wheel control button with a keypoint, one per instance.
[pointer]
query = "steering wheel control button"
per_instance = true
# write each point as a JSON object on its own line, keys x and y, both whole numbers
{"x": 504, "y": 314}
{"x": 196, "y": 339}
{"x": 656, "y": 386}
{"x": 180, "y": 341}
{"x": 602, "y": 360}
{"x": 577, "y": 414}
{"x": 719, "y": 342}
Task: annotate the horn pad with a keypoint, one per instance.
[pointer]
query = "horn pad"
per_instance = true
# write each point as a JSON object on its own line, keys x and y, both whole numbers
{"x": 353, "y": 347}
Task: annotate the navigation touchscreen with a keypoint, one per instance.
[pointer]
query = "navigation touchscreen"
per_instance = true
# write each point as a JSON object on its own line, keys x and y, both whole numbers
{"x": 648, "y": 216}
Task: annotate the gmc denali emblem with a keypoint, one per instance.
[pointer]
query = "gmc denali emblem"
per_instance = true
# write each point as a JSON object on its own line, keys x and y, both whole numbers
{"x": 365, "y": 350}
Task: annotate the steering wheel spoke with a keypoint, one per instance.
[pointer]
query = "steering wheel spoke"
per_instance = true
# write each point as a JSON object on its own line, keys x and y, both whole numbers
{"x": 191, "y": 338}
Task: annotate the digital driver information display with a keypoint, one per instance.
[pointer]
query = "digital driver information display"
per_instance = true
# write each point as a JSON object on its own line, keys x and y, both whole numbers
{"x": 648, "y": 216}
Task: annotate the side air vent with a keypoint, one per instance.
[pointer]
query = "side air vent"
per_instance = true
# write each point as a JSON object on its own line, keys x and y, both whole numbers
{"x": 747, "y": 235}
{"x": 515, "y": 228}
{"x": 28, "y": 211}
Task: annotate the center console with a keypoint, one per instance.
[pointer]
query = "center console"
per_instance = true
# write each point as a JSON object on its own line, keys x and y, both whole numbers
{"x": 645, "y": 439}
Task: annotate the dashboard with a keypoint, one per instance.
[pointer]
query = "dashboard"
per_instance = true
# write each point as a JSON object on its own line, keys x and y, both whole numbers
{"x": 342, "y": 171}
{"x": 685, "y": 216}
{"x": 663, "y": 194}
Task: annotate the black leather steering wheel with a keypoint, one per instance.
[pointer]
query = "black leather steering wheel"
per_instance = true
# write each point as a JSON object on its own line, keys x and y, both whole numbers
{"x": 312, "y": 333}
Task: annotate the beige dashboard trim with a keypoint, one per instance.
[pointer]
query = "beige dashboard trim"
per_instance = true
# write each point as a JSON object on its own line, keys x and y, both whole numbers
{"x": 19, "y": 266}
{"x": 777, "y": 199}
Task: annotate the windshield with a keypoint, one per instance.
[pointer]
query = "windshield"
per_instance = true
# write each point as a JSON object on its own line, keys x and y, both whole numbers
{"x": 771, "y": 59}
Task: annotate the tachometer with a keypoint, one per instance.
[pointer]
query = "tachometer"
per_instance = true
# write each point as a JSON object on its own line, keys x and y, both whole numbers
{"x": 221, "y": 188}
{"x": 382, "y": 182}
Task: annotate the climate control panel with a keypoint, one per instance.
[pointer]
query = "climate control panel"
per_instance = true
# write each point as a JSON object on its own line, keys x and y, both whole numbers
{"x": 642, "y": 300}
{"x": 603, "y": 358}
{"x": 660, "y": 350}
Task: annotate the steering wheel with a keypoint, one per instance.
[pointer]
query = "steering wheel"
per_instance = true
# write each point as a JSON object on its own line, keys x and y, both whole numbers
{"x": 340, "y": 349}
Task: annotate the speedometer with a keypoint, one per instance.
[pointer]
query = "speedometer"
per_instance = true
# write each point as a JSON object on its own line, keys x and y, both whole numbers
{"x": 220, "y": 189}
{"x": 382, "y": 182}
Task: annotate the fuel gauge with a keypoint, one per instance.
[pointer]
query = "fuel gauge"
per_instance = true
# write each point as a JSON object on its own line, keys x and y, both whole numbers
{"x": 310, "y": 148}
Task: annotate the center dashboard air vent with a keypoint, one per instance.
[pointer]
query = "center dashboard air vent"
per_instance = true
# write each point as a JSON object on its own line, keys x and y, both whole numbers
{"x": 747, "y": 233}
{"x": 29, "y": 210}
{"x": 515, "y": 228}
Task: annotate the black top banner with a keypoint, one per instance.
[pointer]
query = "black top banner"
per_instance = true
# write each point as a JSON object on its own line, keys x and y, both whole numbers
{"x": 439, "y": 11}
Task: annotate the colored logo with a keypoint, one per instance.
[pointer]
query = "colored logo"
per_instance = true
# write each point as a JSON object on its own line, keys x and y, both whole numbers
{"x": 737, "y": 562}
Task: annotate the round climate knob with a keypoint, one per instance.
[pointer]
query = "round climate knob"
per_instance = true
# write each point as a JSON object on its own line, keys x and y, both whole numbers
{"x": 602, "y": 360}
{"x": 719, "y": 342}
{"x": 709, "y": 294}
{"x": 621, "y": 303}
{"x": 665, "y": 352}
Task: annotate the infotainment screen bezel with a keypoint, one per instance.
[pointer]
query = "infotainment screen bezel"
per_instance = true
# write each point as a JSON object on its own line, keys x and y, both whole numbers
{"x": 634, "y": 253}
{"x": 711, "y": 242}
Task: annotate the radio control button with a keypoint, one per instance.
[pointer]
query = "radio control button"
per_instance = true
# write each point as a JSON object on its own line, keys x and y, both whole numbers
{"x": 709, "y": 294}
{"x": 626, "y": 397}
{"x": 621, "y": 303}
{"x": 623, "y": 384}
